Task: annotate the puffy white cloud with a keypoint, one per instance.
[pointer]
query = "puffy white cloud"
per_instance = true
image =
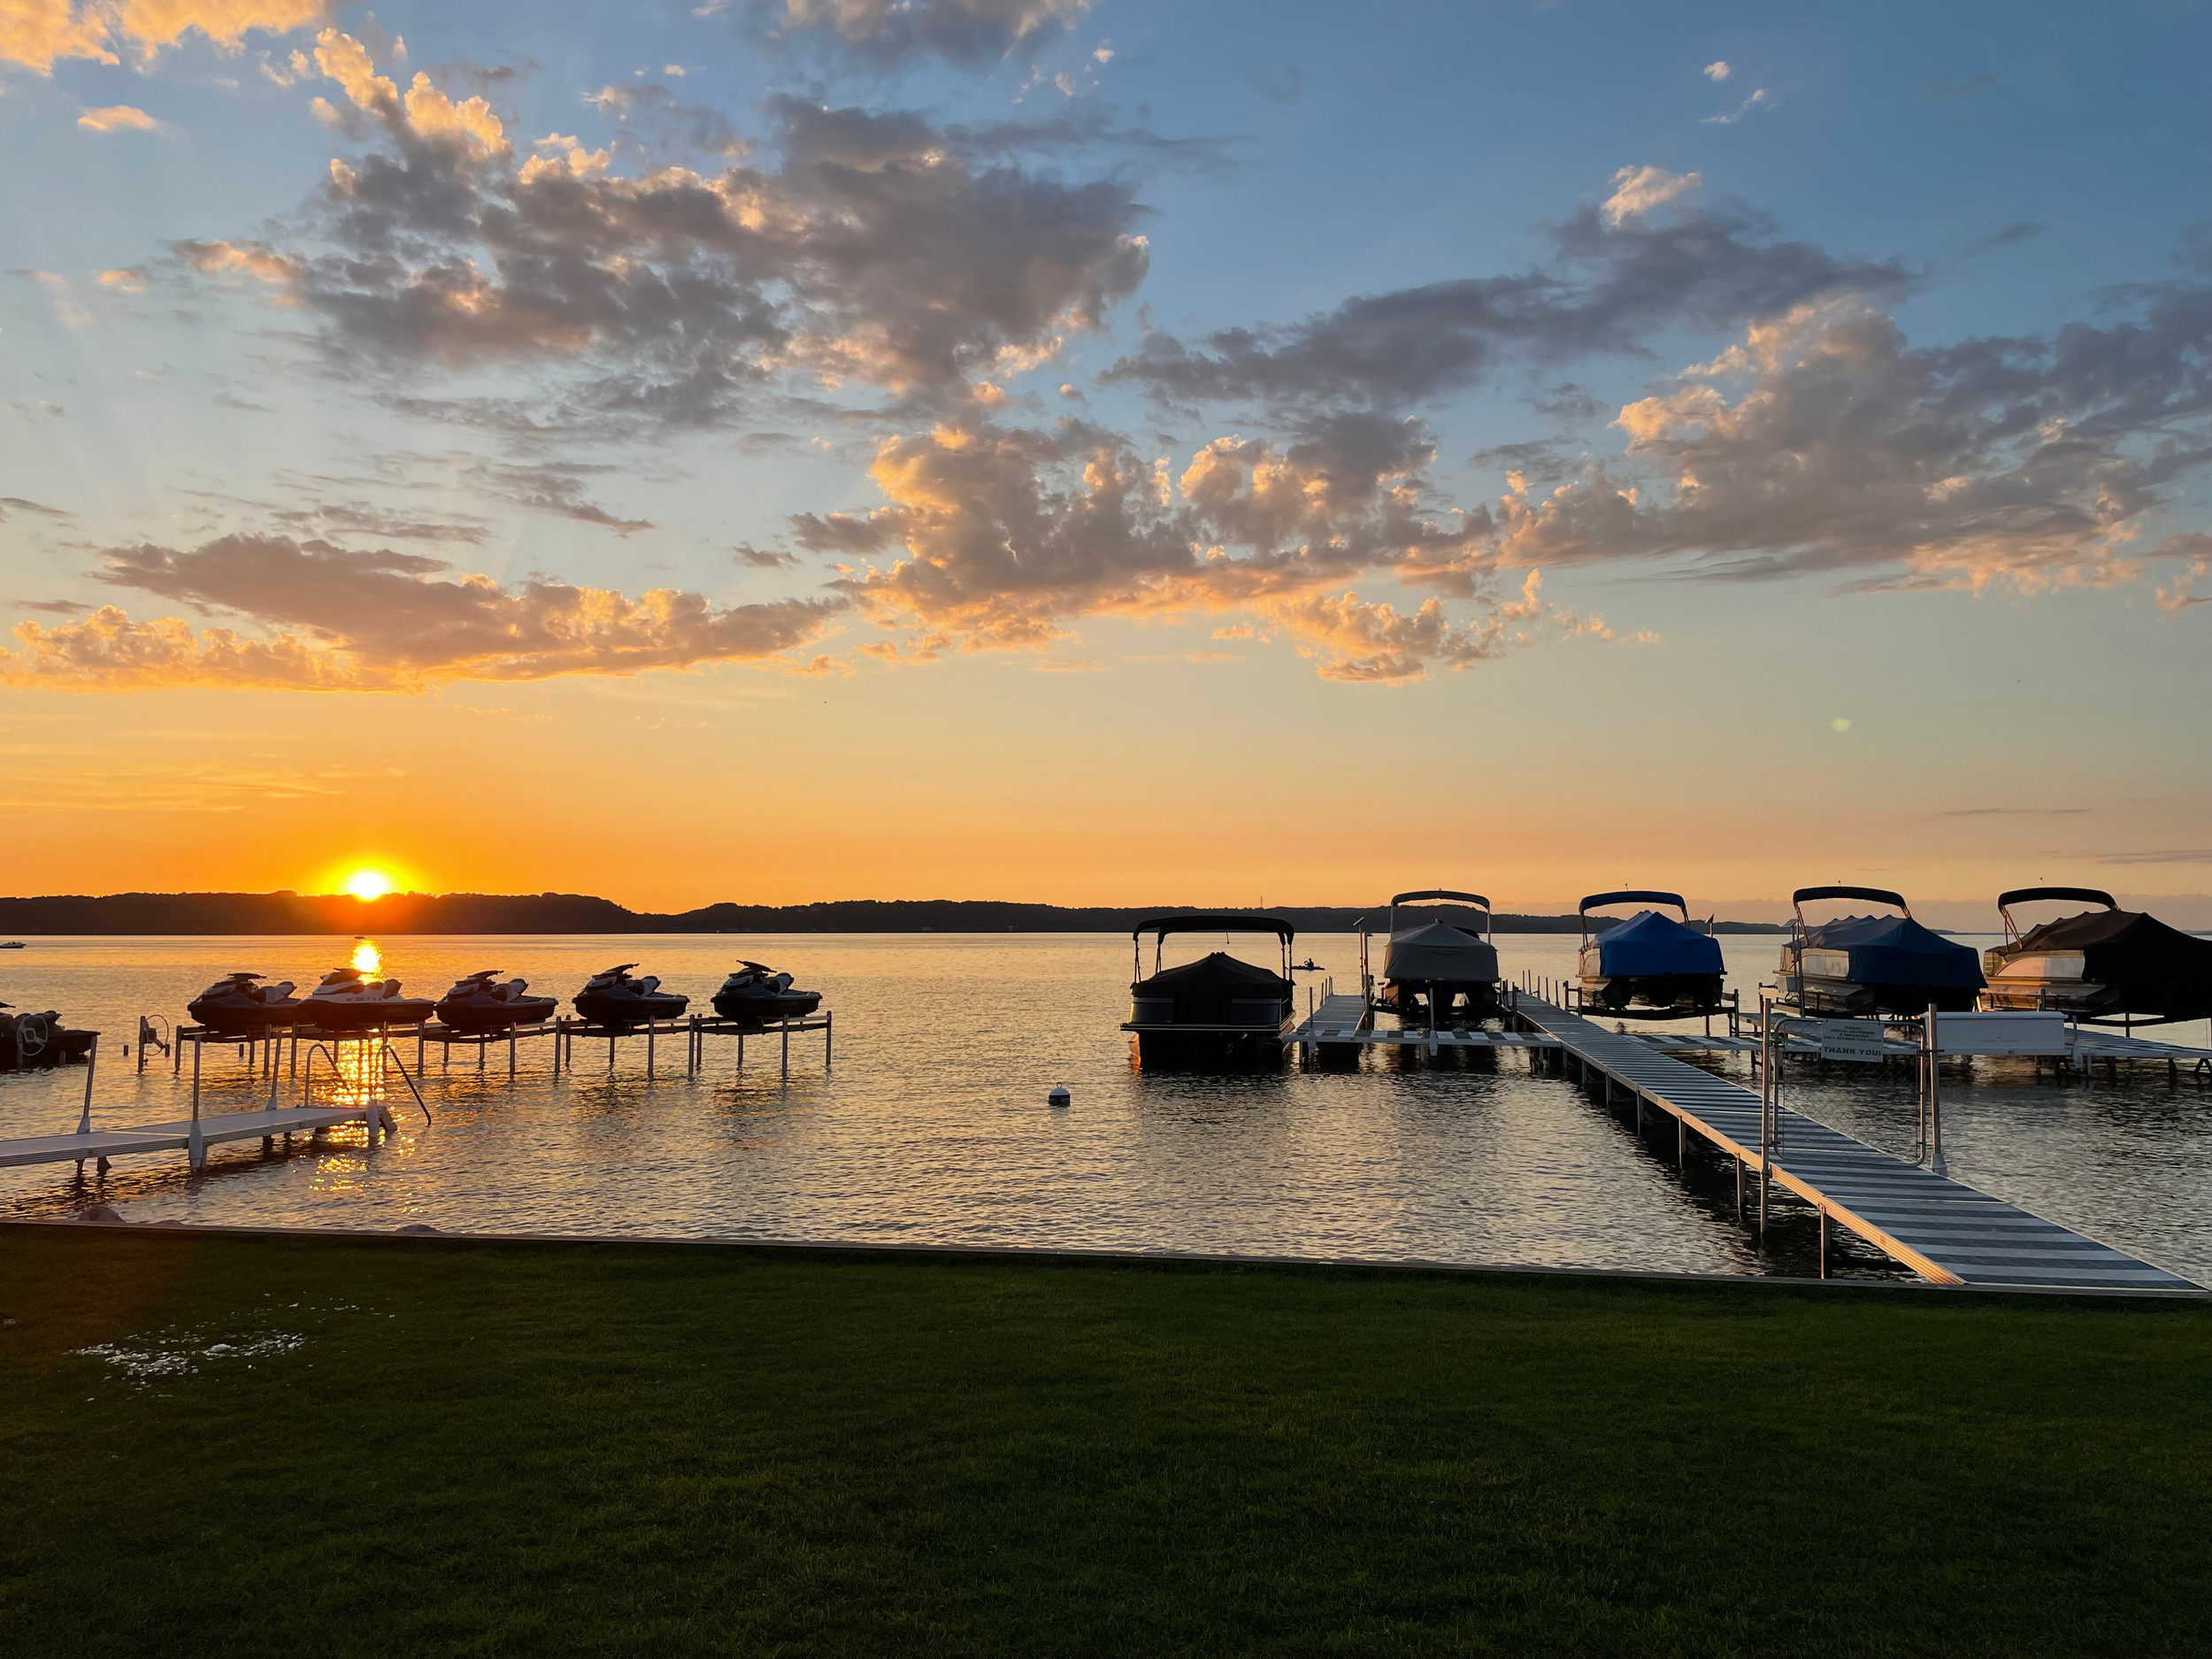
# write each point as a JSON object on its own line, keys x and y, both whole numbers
{"x": 1718, "y": 69}
{"x": 37, "y": 32}
{"x": 382, "y": 621}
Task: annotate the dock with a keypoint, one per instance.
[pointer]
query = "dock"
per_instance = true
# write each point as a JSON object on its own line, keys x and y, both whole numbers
{"x": 1943, "y": 1230}
{"x": 1346, "y": 1022}
{"x": 191, "y": 1135}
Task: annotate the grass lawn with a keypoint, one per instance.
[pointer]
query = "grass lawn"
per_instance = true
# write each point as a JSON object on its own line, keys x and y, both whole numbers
{"x": 436, "y": 1446}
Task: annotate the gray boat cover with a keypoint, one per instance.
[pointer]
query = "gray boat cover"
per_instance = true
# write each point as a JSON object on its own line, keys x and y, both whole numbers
{"x": 1439, "y": 952}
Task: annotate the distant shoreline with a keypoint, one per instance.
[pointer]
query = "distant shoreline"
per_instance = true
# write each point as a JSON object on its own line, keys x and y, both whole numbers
{"x": 398, "y": 914}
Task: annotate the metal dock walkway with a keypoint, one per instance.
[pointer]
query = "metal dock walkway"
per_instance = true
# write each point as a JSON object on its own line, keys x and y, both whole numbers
{"x": 180, "y": 1135}
{"x": 1942, "y": 1230}
{"x": 1347, "y": 1021}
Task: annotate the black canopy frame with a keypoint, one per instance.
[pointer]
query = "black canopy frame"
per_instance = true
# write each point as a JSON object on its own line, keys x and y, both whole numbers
{"x": 2027, "y": 895}
{"x": 1161, "y": 926}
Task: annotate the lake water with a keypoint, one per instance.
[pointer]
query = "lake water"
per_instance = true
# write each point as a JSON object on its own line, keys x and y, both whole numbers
{"x": 932, "y": 1127}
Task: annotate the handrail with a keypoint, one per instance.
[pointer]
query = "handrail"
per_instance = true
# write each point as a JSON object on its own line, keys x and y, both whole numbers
{"x": 307, "y": 1079}
{"x": 410, "y": 1081}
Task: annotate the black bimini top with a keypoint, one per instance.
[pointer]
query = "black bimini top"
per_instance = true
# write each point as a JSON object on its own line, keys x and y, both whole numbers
{"x": 1165, "y": 924}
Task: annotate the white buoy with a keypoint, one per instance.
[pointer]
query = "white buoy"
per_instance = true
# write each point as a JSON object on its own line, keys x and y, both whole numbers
{"x": 1059, "y": 1096}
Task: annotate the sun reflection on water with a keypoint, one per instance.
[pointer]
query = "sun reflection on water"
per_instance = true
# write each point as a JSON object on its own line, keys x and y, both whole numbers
{"x": 367, "y": 956}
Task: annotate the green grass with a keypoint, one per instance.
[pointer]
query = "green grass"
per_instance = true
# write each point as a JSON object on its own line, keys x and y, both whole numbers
{"x": 481, "y": 1448}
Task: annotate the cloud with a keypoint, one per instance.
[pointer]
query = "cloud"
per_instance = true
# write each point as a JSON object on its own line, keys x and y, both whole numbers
{"x": 1612, "y": 278}
{"x": 877, "y": 254}
{"x": 382, "y": 621}
{"x": 1638, "y": 190}
{"x": 2027, "y": 460}
{"x": 1940, "y": 91}
{"x": 1717, "y": 70}
{"x": 118, "y": 117}
{"x": 18, "y": 503}
{"x": 2172, "y": 856}
{"x": 1758, "y": 100}
{"x": 51, "y": 606}
{"x": 37, "y": 32}
{"x": 1001, "y": 537}
{"x": 2180, "y": 594}
{"x": 890, "y": 33}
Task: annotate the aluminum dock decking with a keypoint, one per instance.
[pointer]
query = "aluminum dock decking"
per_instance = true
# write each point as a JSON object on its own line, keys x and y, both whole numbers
{"x": 1942, "y": 1230}
{"x": 1345, "y": 1021}
{"x": 178, "y": 1136}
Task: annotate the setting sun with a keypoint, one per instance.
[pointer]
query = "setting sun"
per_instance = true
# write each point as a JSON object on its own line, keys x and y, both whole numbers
{"x": 368, "y": 884}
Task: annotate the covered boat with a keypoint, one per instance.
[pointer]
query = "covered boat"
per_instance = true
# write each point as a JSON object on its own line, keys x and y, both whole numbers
{"x": 38, "y": 1042}
{"x": 239, "y": 1005}
{"x": 1438, "y": 966}
{"x": 2104, "y": 967}
{"x": 1218, "y": 1009}
{"x": 1650, "y": 965}
{"x": 613, "y": 998}
{"x": 478, "y": 1003}
{"x": 1874, "y": 965}
{"x": 347, "y": 1000}
{"x": 756, "y": 994}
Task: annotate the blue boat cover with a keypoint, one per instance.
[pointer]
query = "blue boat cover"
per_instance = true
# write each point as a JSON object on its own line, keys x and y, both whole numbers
{"x": 1897, "y": 950}
{"x": 1650, "y": 943}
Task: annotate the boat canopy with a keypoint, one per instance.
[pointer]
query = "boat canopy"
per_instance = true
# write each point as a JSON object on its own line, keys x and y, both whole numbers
{"x": 2027, "y": 895}
{"x": 1893, "y": 949}
{"x": 2148, "y": 966}
{"x": 1161, "y": 926}
{"x": 1438, "y": 953}
{"x": 1648, "y": 945}
{"x": 1440, "y": 895}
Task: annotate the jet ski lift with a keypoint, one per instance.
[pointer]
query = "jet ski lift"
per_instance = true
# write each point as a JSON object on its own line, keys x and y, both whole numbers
{"x": 1873, "y": 964}
{"x": 1649, "y": 966}
{"x": 1218, "y": 1009}
{"x": 1445, "y": 969}
{"x": 2115, "y": 968}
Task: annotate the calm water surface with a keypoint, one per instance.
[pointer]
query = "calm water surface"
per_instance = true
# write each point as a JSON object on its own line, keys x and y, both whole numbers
{"x": 931, "y": 1125}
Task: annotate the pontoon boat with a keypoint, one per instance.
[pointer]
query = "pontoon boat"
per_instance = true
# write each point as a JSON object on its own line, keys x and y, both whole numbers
{"x": 1649, "y": 966}
{"x": 1214, "y": 1010}
{"x": 1439, "y": 967}
{"x": 2108, "y": 967}
{"x": 1874, "y": 965}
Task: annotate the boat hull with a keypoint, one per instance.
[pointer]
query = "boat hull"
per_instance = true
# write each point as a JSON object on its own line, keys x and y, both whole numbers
{"x": 758, "y": 1011}
{"x": 1815, "y": 994}
{"x": 1188, "y": 1049}
{"x": 1471, "y": 999}
{"x": 622, "y": 1012}
{"x": 385, "y": 1013}
{"x": 473, "y": 1018}
{"x": 243, "y": 1019}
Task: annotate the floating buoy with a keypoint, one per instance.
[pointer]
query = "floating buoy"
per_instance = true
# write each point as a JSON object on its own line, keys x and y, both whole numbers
{"x": 1059, "y": 1096}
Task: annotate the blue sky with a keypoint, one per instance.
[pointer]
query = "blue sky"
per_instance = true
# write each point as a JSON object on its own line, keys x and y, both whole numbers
{"x": 1066, "y": 417}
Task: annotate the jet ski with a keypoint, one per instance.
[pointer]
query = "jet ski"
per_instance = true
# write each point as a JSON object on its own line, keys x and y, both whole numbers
{"x": 756, "y": 992}
{"x": 477, "y": 1004}
{"x": 613, "y": 998}
{"x": 1874, "y": 965}
{"x": 237, "y": 1007}
{"x": 347, "y": 1001}
{"x": 2113, "y": 967}
{"x": 1438, "y": 965}
{"x": 1649, "y": 966}
{"x": 38, "y": 1042}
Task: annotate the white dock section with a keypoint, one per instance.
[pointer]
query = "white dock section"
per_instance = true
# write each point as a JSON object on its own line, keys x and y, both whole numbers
{"x": 179, "y": 1135}
{"x": 1347, "y": 1020}
{"x": 1941, "y": 1229}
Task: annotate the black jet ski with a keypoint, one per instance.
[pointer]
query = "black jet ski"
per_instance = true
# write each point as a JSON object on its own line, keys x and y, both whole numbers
{"x": 756, "y": 994}
{"x": 613, "y": 998}
{"x": 347, "y": 1001}
{"x": 38, "y": 1042}
{"x": 477, "y": 1004}
{"x": 1649, "y": 966}
{"x": 239, "y": 1007}
{"x": 2112, "y": 967}
{"x": 1875, "y": 965}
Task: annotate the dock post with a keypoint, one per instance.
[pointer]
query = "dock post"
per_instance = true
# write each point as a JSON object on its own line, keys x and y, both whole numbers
{"x": 1738, "y": 1163}
{"x": 510, "y": 1054}
{"x": 828, "y": 1020}
{"x": 611, "y": 1054}
{"x": 740, "y": 1051}
{"x": 650, "y": 1026}
{"x": 1681, "y": 1144}
{"x": 91, "y": 1063}
{"x": 1766, "y": 1105}
{"x": 786, "y": 1051}
{"x": 1823, "y": 1240}
{"x": 1935, "y": 1092}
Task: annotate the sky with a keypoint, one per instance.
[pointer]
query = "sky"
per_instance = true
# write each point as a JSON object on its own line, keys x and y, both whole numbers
{"x": 1106, "y": 453}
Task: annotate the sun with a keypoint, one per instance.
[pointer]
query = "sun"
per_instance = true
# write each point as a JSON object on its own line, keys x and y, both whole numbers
{"x": 368, "y": 884}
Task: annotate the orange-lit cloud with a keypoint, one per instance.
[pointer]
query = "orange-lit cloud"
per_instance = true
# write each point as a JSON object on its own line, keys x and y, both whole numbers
{"x": 37, "y": 33}
{"x": 118, "y": 117}
{"x": 340, "y": 621}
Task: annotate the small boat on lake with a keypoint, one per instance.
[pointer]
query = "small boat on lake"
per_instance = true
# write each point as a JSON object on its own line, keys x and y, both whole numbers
{"x": 756, "y": 994}
{"x": 1649, "y": 966}
{"x": 239, "y": 1005}
{"x": 613, "y": 998}
{"x": 478, "y": 1004}
{"x": 1218, "y": 1009}
{"x": 1874, "y": 965}
{"x": 1437, "y": 966}
{"x": 2104, "y": 967}
{"x": 347, "y": 1000}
